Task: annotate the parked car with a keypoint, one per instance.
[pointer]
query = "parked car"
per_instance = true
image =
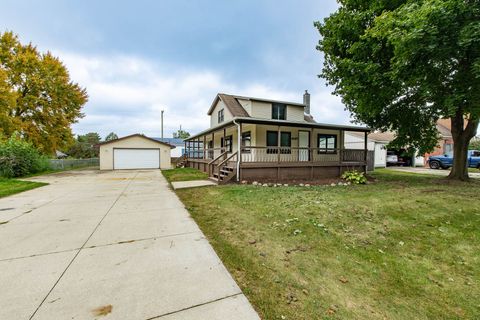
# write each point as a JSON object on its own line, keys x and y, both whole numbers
{"x": 392, "y": 158}
{"x": 446, "y": 161}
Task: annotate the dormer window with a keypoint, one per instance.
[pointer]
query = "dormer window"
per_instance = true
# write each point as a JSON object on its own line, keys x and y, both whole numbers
{"x": 220, "y": 116}
{"x": 279, "y": 111}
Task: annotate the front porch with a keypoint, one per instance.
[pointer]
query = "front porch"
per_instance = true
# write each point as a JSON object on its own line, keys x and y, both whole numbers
{"x": 251, "y": 149}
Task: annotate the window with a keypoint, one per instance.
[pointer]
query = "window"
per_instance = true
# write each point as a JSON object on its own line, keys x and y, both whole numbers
{"x": 327, "y": 143}
{"x": 221, "y": 116}
{"x": 448, "y": 148}
{"x": 226, "y": 144}
{"x": 210, "y": 149}
{"x": 285, "y": 141}
{"x": 246, "y": 142}
{"x": 279, "y": 111}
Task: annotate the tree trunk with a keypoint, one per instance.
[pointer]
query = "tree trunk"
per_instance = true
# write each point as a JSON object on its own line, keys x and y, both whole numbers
{"x": 459, "y": 168}
{"x": 461, "y": 135}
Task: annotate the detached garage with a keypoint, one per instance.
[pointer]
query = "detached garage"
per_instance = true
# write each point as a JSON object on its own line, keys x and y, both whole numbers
{"x": 134, "y": 152}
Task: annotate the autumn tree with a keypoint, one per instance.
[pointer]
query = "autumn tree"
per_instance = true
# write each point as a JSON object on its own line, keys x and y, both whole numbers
{"x": 37, "y": 98}
{"x": 401, "y": 65}
{"x": 111, "y": 136}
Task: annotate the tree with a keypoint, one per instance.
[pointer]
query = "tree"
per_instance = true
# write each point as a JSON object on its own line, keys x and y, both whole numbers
{"x": 401, "y": 65}
{"x": 37, "y": 98}
{"x": 181, "y": 134}
{"x": 85, "y": 146}
{"x": 111, "y": 136}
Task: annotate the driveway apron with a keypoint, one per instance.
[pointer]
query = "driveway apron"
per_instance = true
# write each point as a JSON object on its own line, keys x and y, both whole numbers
{"x": 109, "y": 245}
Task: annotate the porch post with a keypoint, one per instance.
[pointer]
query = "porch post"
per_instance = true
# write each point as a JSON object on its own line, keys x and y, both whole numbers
{"x": 204, "y": 147}
{"x": 365, "y": 151}
{"x": 239, "y": 151}
{"x": 224, "y": 142}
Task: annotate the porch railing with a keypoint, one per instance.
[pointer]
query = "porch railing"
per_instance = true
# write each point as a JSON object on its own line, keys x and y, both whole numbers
{"x": 296, "y": 154}
{"x": 280, "y": 154}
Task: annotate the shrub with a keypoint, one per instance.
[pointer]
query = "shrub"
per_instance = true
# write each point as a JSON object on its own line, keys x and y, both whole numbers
{"x": 19, "y": 158}
{"x": 354, "y": 177}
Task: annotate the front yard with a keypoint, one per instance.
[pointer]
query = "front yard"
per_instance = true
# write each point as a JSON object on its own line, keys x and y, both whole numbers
{"x": 404, "y": 247}
{"x": 12, "y": 186}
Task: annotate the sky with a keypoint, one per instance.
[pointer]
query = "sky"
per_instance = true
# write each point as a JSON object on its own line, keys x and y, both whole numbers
{"x": 136, "y": 58}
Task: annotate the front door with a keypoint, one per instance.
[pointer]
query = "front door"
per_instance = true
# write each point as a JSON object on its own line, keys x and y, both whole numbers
{"x": 303, "y": 145}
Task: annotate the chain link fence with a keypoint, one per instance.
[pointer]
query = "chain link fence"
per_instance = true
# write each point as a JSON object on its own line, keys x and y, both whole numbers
{"x": 63, "y": 164}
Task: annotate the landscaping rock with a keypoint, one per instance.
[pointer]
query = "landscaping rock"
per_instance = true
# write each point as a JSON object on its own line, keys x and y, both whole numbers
{"x": 285, "y": 185}
{"x": 333, "y": 184}
{"x": 307, "y": 185}
{"x": 301, "y": 185}
{"x": 255, "y": 183}
{"x": 244, "y": 182}
{"x": 265, "y": 185}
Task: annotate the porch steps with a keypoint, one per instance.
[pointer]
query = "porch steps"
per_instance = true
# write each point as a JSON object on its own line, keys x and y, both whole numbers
{"x": 225, "y": 174}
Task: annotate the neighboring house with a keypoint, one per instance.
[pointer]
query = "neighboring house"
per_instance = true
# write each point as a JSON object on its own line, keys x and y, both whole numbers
{"x": 377, "y": 142}
{"x": 445, "y": 141}
{"x": 134, "y": 152}
{"x": 178, "y": 143}
{"x": 263, "y": 139}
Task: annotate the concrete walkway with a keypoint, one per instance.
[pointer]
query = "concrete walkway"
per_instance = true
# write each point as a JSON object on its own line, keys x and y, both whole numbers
{"x": 192, "y": 184}
{"x": 109, "y": 245}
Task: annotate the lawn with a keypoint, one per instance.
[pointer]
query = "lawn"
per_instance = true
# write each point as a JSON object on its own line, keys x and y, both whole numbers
{"x": 184, "y": 174}
{"x": 12, "y": 186}
{"x": 404, "y": 247}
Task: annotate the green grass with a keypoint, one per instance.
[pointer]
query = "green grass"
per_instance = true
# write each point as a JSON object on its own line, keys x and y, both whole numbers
{"x": 12, "y": 186}
{"x": 184, "y": 174}
{"x": 404, "y": 247}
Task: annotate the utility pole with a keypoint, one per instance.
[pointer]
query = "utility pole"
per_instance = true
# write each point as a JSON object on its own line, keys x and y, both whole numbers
{"x": 162, "y": 124}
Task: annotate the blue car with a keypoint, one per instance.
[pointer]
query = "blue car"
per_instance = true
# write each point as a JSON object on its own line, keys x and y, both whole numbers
{"x": 446, "y": 161}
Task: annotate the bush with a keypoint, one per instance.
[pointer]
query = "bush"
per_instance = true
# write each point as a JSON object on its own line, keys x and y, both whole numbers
{"x": 354, "y": 177}
{"x": 19, "y": 158}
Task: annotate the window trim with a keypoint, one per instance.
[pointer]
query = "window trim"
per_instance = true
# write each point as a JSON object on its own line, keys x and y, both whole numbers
{"x": 221, "y": 116}
{"x": 223, "y": 143}
{"x": 279, "y": 105}
{"x": 274, "y": 149}
{"x": 327, "y": 150}
{"x": 245, "y": 148}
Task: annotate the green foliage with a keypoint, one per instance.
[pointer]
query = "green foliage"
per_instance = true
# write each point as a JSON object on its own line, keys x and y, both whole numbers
{"x": 474, "y": 144}
{"x": 111, "y": 136}
{"x": 354, "y": 177}
{"x": 401, "y": 65}
{"x": 85, "y": 146}
{"x": 181, "y": 134}
{"x": 37, "y": 97}
{"x": 19, "y": 158}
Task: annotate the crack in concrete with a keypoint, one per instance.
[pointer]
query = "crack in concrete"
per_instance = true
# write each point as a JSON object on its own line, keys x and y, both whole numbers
{"x": 194, "y": 306}
{"x": 76, "y": 255}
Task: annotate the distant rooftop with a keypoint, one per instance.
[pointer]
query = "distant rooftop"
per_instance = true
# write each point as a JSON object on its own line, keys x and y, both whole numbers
{"x": 172, "y": 141}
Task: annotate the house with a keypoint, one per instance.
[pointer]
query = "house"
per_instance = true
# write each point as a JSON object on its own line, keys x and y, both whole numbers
{"x": 445, "y": 140}
{"x": 179, "y": 145}
{"x": 377, "y": 143}
{"x": 262, "y": 139}
{"x": 135, "y": 151}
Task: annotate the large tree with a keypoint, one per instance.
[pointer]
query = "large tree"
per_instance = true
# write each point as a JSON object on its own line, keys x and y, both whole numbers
{"x": 401, "y": 65}
{"x": 85, "y": 146}
{"x": 111, "y": 136}
{"x": 41, "y": 102}
{"x": 181, "y": 134}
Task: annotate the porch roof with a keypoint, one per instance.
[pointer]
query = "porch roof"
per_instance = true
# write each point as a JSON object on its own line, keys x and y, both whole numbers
{"x": 283, "y": 123}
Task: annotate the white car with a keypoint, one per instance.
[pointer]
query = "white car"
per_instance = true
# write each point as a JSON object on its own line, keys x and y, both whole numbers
{"x": 392, "y": 158}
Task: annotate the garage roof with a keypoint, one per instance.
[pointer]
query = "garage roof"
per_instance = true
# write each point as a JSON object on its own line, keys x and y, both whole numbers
{"x": 137, "y": 135}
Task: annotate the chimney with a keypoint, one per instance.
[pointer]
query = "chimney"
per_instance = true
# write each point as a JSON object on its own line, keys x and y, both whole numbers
{"x": 306, "y": 101}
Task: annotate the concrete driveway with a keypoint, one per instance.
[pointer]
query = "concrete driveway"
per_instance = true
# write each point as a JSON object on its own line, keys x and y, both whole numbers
{"x": 109, "y": 245}
{"x": 475, "y": 175}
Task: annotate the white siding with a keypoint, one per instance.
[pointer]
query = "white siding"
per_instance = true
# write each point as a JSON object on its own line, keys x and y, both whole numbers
{"x": 214, "y": 116}
{"x": 263, "y": 110}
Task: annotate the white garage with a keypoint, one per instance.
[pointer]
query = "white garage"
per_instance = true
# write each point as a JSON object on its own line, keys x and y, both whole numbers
{"x": 135, "y": 152}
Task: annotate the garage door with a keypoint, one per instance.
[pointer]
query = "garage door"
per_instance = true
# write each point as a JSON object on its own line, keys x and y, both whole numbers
{"x": 136, "y": 158}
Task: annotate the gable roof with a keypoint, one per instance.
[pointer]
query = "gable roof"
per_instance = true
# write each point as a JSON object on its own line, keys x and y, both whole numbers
{"x": 136, "y": 135}
{"x": 231, "y": 103}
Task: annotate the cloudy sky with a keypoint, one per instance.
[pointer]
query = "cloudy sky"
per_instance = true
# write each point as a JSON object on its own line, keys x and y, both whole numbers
{"x": 136, "y": 58}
